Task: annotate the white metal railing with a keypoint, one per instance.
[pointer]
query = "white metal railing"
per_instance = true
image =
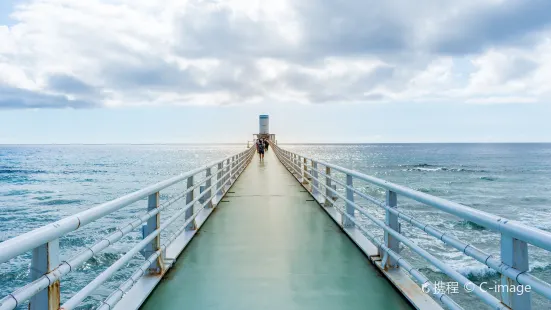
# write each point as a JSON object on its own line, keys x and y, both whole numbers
{"x": 210, "y": 181}
{"x": 513, "y": 264}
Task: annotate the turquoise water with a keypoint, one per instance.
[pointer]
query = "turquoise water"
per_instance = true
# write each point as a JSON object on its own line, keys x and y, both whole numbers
{"x": 509, "y": 180}
{"x": 40, "y": 184}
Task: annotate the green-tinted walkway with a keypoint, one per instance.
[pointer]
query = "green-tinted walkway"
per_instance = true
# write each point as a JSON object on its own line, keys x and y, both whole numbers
{"x": 272, "y": 247}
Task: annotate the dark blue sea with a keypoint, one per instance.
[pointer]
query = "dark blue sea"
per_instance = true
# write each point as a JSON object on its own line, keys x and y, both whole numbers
{"x": 40, "y": 184}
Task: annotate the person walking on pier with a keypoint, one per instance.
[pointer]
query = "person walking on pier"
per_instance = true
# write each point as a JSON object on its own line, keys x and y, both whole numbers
{"x": 266, "y": 145}
{"x": 260, "y": 149}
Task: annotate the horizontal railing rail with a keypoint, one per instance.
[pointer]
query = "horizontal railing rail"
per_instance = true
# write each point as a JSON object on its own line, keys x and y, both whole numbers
{"x": 513, "y": 264}
{"x": 46, "y": 269}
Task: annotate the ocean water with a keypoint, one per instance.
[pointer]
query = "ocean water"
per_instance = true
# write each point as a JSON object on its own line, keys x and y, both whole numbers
{"x": 43, "y": 183}
{"x": 509, "y": 180}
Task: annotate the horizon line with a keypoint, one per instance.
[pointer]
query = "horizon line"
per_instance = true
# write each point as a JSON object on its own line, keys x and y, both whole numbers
{"x": 286, "y": 143}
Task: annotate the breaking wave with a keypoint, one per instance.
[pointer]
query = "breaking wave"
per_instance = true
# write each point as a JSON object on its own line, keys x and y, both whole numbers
{"x": 470, "y": 225}
{"x": 431, "y": 168}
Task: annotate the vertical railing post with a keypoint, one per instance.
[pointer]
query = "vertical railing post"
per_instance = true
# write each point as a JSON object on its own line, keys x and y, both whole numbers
{"x": 227, "y": 172}
{"x": 208, "y": 184}
{"x": 290, "y": 159}
{"x": 230, "y": 169}
{"x": 315, "y": 185}
{"x": 224, "y": 177}
{"x": 304, "y": 171}
{"x": 224, "y": 167}
{"x": 189, "y": 199}
{"x": 347, "y": 222}
{"x": 45, "y": 258}
{"x": 232, "y": 164}
{"x": 299, "y": 166}
{"x": 391, "y": 220}
{"x": 328, "y": 193}
{"x": 514, "y": 253}
{"x": 153, "y": 224}
{"x": 240, "y": 161}
{"x": 237, "y": 165}
{"x": 232, "y": 173}
{"x": 219, "y": 178}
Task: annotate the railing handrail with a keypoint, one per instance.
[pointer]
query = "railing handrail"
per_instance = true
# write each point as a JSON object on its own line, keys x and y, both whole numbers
{"x": 515, "y": 229}
{"x": 44, "y": 241}
{"x": 513, "y": 265}
{"x": 27, "y": 241}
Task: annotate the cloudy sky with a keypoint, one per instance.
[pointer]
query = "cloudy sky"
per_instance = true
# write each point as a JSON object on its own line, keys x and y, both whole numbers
{"x": 137, "y": 71}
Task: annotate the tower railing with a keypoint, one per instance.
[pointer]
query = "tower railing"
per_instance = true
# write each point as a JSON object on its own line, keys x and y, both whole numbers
{"x": 329, "y": 183}
{"x": 205, "y": 187}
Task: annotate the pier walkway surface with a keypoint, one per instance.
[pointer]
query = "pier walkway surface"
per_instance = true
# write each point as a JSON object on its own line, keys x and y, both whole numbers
{"x": 269, "y": 245}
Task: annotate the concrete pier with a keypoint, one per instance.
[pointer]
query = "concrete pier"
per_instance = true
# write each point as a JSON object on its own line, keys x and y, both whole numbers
{"x": 269, "y": 245}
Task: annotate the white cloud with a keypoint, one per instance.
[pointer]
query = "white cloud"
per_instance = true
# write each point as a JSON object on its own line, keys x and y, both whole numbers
{"x": 501, "y": 71}
{"x": 127, "y": 52}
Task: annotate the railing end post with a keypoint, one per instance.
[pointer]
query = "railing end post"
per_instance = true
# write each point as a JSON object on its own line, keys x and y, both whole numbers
{"x": 44, "y": 259}
{"x": 153, "y": 224}
{"x": 328, "y": 202}
{"x": 514, "y": 253}
{"x": 189, "y": 200}
{"x": 391, "y": 220}
{"x": 315, "y": 183}
{"x": 347, "y": 222}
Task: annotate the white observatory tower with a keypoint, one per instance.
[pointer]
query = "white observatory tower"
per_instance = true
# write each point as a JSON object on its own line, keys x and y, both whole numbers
{"x": 264, "y": 128}
{"x": 264, "y": 122}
